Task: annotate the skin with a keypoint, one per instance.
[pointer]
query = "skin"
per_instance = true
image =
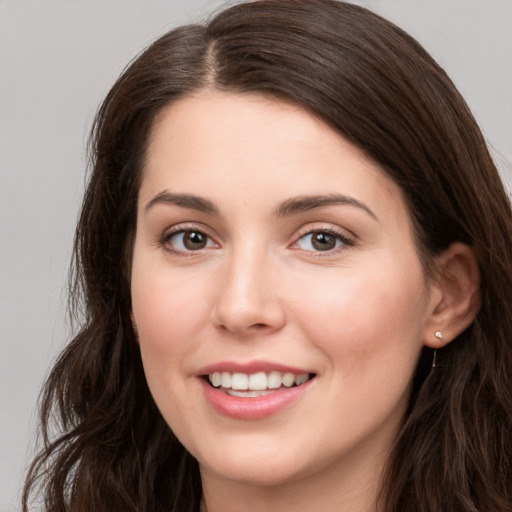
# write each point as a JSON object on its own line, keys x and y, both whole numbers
{"x": 356, "y": 315}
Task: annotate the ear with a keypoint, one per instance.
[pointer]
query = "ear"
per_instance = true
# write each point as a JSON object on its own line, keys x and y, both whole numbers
{"x": 455, "y": 295}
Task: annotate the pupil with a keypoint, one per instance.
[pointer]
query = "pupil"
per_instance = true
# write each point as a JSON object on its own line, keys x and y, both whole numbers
{"x": 323, "y": 241}
{"x": 194, "y": 240}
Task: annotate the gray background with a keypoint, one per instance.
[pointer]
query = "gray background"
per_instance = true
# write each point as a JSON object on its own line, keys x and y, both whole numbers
{"x": 57, "y": 61}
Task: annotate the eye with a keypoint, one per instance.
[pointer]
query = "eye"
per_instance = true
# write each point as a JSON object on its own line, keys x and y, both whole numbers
{"x": 189, "y": 240}
{"x": 321, "y": 240}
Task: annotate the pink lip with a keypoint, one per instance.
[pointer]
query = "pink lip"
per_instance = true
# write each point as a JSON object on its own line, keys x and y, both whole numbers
{"x": 250, "y": 367}
{"x": 254, "y": 408}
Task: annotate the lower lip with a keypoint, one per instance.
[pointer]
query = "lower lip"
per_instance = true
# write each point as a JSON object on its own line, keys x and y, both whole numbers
{"x": 256, "y": 407}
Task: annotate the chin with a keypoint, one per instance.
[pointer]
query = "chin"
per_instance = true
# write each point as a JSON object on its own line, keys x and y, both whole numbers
{"x": 247, "y": 472}
{"x": 265, "y": 467}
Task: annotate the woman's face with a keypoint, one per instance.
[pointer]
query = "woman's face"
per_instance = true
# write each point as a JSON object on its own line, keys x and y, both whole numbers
{"x": 271, "y": 254}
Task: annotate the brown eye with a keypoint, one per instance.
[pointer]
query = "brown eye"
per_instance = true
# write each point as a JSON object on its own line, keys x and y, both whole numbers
{"x": 189, "y": 240}
{"x": 321, "y": 241}
{"x": 194, "y": 240}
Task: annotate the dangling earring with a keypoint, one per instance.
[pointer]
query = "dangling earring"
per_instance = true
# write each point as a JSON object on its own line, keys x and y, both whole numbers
{"x": 439, "y": 336}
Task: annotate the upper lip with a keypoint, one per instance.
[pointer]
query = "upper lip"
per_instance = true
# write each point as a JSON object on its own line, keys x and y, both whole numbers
{"x": 251, "y": 367}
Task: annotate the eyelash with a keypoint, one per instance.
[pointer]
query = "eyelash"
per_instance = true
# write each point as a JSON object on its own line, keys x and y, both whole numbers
{"x": 166, "y": 237}
{"x": 338, "y": 235}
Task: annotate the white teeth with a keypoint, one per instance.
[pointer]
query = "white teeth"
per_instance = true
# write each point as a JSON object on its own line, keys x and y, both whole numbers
{"x": 274, "y": 380}
{"x": 225, "y": 380}
{"x": 248, "y": 394}
{"x": 300, "y": 379}
{"x": 239, "y": 381}
{"x": 288, "y": 379}
{"x": 216, "y": 379}
{"x": 256, "y": 382}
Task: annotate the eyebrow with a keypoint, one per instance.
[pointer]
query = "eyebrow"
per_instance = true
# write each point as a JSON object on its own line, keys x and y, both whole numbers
{"x": 291, "y": 206}
{"x": 301, "y": 204}
{"x": 185, "y": 201}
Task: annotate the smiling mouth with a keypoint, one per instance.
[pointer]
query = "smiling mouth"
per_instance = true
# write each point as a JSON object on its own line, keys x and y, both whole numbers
{"x": 255, "y": 384}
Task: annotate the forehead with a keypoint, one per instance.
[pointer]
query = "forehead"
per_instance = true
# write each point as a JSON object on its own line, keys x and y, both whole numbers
{"x": 221, "y": 144}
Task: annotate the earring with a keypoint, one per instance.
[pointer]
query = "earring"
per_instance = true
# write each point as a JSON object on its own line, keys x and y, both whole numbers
{"x": 434, "y": 359}
{"x": 439, "y": 336}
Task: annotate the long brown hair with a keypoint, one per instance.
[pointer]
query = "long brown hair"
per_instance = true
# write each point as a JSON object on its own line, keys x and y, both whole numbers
{"x": 106, "y": 447}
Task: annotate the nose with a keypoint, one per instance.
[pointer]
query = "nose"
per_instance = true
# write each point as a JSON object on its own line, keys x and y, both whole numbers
{"x": 248, "y": 300}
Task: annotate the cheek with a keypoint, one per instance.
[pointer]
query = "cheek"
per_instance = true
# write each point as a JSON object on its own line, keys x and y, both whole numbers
{"x": 168, "y": 310}
{"x": 362, "y": 318}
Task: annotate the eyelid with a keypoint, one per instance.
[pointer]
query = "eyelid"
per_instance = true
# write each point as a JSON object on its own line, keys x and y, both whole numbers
{"x": 348, "y": 239}
{"x": 167, "y": 234}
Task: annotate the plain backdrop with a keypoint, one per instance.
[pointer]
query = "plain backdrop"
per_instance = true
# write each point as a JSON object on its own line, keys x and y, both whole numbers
{"x": 57, "y": 60}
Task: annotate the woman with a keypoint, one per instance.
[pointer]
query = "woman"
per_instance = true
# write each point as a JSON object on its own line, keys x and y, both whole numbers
{"x": 294, "y": 260}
